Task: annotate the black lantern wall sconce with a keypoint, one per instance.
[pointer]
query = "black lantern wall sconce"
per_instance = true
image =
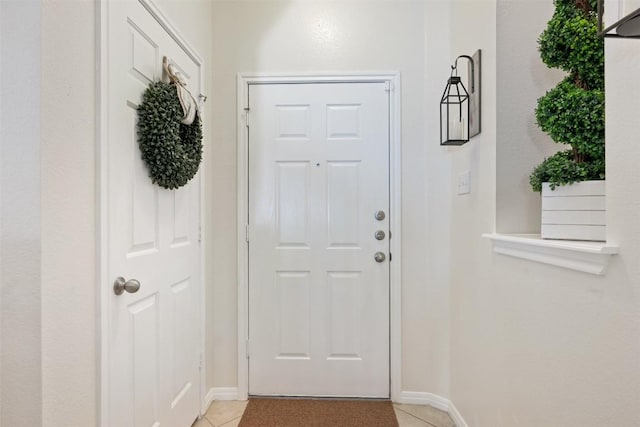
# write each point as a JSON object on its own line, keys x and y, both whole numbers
{"x": 627, "y": 26}
{"x": 459, "y": 107}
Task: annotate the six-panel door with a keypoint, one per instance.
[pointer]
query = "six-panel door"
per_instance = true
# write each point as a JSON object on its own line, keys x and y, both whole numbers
{"x": 318, "y": 299}
{"x": 154, "y": 336}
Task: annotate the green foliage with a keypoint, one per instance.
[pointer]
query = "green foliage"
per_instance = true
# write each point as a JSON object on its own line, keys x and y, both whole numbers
{"x": 562, "y": 169}
{"x": 575, "y": 116}
{"x": 171, "y": 150}
{"x": 573, "y": 112}
{"x": 571, "y": 43}
{"x": 582, "y": 5}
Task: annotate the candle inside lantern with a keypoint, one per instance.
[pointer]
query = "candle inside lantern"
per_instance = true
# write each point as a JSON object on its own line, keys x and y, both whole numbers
{"x": 457, "y": 129}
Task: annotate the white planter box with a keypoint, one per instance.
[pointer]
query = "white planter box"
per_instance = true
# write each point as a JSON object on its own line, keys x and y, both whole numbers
{"x": 574, "y": 212}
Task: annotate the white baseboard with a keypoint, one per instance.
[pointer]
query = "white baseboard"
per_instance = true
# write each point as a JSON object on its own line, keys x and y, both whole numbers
{"x": 435, "y": 401}
{"x": 221, "y": 393}
{"x": 455, "y": 415}
{"x": 421, "y": 398}
{"x": 208, "y": 400}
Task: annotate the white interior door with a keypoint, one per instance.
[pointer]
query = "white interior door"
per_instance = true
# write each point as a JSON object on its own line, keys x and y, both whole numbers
{"x": 153, "y": 237}
{"x": 318, "y": 299}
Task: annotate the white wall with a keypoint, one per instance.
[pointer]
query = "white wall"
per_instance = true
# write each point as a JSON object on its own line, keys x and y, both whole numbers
{"x": 532, "y": 344}
{"x": 520, "y": 144}
{"x": 69, "y": 312}
{"x": 473, "y": 214}
{"x": 621, "y": 302}
{"x": 69, "y": 307}
{"x": 436, "y": 250}
{"x": 316, "y": 36}
{"x": 20, "y": 234}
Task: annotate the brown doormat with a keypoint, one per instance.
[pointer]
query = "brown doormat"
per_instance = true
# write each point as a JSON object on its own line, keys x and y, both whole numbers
{"x": 263, "y": 412}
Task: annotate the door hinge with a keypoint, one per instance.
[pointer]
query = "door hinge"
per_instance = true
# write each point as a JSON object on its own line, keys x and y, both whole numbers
{"x": 246, "y": 116}
{"x": 200, "y": 234}
{"x": 248, "y": 352}
{"x": 201, "y": 362}
{"x": 390, "y": 257}
{"x": 246, "y": 232}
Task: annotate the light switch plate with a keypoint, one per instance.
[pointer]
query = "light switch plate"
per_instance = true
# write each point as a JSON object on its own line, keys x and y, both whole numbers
{"x": 464, "y": 183}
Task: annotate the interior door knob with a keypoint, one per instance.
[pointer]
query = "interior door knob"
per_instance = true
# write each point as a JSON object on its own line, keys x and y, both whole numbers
{"x": 379, "y": 235}
{"x": 120, "y": 285}
{"x": 379, "y": 257}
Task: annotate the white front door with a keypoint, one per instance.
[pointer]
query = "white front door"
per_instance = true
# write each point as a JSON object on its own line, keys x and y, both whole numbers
{"x": 318, "y": 298}
{"x": 154, "y": 333}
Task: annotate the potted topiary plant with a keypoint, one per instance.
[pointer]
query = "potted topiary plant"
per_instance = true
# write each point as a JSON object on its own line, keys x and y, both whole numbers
{"x": 572, "y": 113}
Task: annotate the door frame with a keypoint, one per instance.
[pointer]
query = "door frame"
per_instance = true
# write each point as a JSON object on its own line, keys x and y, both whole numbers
{"x": 103, "y": 280}
{"x": 392, "y": 79}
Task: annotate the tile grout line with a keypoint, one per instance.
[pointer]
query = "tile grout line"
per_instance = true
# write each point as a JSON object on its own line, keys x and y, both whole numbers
{"x": 228, "y": 422}
{"x": 221, "y": 423}
{"x": 416, "y": 417}
{"x": 206, "y": 420}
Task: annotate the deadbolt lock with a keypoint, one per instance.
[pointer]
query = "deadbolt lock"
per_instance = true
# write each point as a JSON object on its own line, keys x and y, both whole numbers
{"x": 379, "y": 235}
{"x": 380, "y": 215}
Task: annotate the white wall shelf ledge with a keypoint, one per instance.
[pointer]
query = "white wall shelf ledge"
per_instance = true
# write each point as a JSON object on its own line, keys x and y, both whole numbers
{"x": 588, "y": 257}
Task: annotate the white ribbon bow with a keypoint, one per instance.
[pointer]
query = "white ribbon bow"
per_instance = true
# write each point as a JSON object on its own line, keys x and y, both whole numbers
{"x": 190, "y": 106}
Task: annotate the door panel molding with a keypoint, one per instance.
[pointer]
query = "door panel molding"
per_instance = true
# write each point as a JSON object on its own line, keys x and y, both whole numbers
{"x": 103, "y": 277}
{"x": 392, "y": 80}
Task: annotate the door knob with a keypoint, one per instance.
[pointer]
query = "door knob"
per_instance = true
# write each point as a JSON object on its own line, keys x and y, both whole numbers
{"x": 379, "y": 257}
{"x": 379, "y": 235}
{"x": 379, "y": 215}
{"x": 120, "y": 285}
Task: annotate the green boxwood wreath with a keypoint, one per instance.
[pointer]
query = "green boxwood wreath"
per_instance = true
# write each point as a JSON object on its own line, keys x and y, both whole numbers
{"x": 171, "y": 150}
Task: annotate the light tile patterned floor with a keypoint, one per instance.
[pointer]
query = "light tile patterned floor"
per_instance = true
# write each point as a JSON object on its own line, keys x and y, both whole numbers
{"x": 228, "y": 414}
{"x": 425, "y": 416}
